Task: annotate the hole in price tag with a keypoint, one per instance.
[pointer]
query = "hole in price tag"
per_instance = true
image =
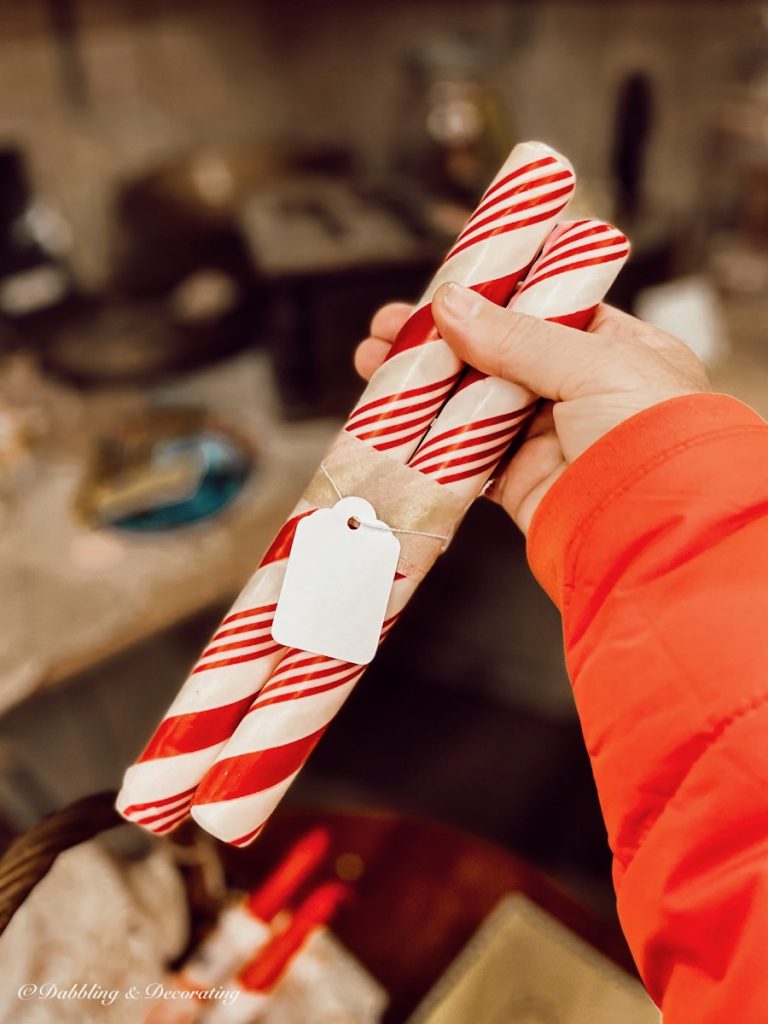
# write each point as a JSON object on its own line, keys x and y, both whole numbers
{"x": 337, "y": 583}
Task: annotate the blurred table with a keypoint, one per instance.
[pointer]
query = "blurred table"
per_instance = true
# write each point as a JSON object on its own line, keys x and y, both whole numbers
{"x": 424, "y": 888}
{"x": 71, "y": 596}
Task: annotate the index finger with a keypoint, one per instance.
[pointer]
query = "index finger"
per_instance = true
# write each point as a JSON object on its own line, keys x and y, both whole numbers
{"x": 388, "y": 320}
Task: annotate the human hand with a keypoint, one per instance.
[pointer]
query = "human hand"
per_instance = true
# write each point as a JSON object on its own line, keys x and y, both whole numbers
{"x": 591, "y": 381}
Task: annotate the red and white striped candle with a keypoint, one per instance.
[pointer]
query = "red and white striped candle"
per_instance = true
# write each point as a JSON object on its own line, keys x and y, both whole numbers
{"x": 241, "y": 931}
{"x": 491, "y": 255}
{"x": 577, "y": 266}
{"x": 267, "y": 750}
{"x": 258, "y": 978}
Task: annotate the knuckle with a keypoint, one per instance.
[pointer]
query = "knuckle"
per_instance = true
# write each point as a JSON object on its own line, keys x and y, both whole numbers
{"x": 608, "y": 323}
{"x": 515, "y": 330}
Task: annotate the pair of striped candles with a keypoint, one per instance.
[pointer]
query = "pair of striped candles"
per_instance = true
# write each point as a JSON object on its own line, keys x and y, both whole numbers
{"x": 252, "y": 711}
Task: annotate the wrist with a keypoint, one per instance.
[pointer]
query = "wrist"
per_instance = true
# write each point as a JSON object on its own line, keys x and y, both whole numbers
{"x": 614, "y": 465}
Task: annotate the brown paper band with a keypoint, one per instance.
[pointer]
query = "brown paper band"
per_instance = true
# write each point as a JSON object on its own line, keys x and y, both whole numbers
{"x": 403, "y": 498}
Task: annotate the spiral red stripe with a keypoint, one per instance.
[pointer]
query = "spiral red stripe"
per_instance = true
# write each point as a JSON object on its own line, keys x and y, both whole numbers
{"x": 395, "y": 428}
{"x": 163, "y": 816}
{"x": 249, "y": 836}
{"x": 165, "y": 825}
{"x": 439, "y": 444}
{"x": 238, "y": 660}
{"x": 181, "y": 734}
{"x": 248, "y": 613}
{"x": 437, "y": 458}
{"x": 385, "y": 446}
{"x": 569, "y": 252}
{"x": 261, "y": 770}
{"x": 137, "y": 808}
{"x": 546, "y": 161}
{"x": 431, "y": 403}
{"x": 254, "y": 643}
{"x": 502, "y": 191}
{"x": 475, "y": 471}
{"x": 310, "y": 691}
{"x": 160, "y": 823}
{"x": 295, "y": 670}
{"x": 595, "y": 262}
{"x": 247, "y": 627}
{"x": 501, "y": 215}
{"x": 299, "y": 679}
{"x": 292, "y": 689}
{"x": 546, "y": 215}
{"x": 564, "y": 238}
{"x": 579, "y": 230}
{"x": 169, "y": 825}
{"x": 481, "y": 454}
{"x": 293, "y": 660}
{"x": 477, "y": 221}
{"x": 438, "y": 385}
{"x": 280, "y": 547}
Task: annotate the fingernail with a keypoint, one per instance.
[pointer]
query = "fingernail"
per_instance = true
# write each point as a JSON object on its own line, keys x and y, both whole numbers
{"x": 460, "y": 302}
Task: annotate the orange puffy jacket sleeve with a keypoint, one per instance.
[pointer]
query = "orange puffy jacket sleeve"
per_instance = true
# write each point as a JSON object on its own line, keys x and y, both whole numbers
{"x": 654, "y": 545}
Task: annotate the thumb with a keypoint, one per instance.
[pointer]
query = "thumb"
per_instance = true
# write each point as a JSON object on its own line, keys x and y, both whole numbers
{"x": 551, "y": 360}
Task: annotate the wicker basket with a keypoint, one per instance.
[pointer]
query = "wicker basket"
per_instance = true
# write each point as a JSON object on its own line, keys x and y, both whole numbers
{"x": 30, "y": 857}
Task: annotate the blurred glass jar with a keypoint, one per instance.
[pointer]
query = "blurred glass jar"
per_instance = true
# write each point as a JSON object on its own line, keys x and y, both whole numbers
{"x": 452, "y": 129}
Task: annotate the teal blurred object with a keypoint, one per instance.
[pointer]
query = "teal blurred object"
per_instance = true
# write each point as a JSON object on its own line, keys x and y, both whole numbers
{"x": 225, "y": 466}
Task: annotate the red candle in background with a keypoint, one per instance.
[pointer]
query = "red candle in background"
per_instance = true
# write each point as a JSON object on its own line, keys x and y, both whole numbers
{"x": 296, "y": 867}
{"x": 255, "y": 981}
{"x": 242, "y": 929}
{"x": 264, "y": 971}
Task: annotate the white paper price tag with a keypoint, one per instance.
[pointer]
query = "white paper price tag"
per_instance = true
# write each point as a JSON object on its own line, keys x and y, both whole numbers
{"x": 337, "y": 583}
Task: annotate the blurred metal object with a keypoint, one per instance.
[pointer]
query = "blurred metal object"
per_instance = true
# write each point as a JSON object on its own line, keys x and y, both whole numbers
{"x": 453, "y": 131}
{"x": 115, "y": 341}
{"x": 313, "y": 225}
{"x": 36, "y": 284}
{"x": 166, "y": 468}
{"x": 326, "y": 252}
{"x": 211, "y": 184}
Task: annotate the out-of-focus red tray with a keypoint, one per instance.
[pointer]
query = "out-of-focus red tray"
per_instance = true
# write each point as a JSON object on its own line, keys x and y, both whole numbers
{"x": 423, "y": 891}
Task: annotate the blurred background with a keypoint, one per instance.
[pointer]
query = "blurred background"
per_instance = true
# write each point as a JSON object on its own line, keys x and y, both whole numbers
{"x": 201, "y": 205}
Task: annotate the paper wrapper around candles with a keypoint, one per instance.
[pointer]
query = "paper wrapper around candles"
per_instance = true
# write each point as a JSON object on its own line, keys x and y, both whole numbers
{"x": 467, "y": 438}
{"x": 491, "y": 255}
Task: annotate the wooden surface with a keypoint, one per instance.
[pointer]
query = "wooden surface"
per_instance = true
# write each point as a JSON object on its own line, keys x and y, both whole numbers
{"x": 423, "y": 890}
